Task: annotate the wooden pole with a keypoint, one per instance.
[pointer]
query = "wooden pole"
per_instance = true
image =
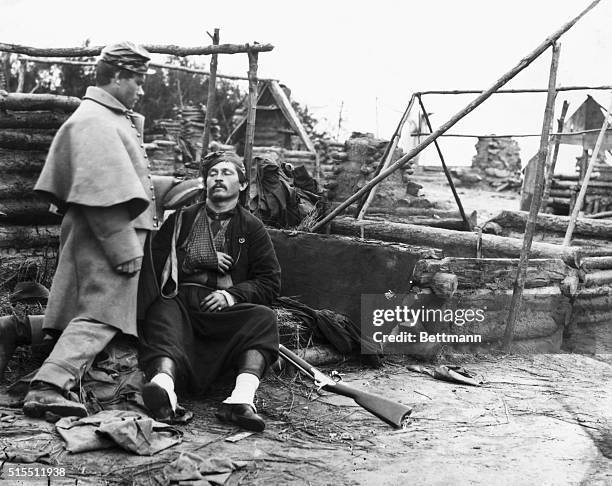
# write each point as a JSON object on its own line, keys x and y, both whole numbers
{"x": 507, "y": 135}
{"x": 210, "y": 100}
{"x": 536, "y": 201}
{"x": 551, "y": 162}
{"x": 523, "y": 63}
{"x": 386, "y": 158}
{"x": 468, "y": 225}
{"x": 509, "y": 91}
{"x": 154, "y": 49}
{"x": 21, "y": 77}
{"x": 250, "y": 129}
{"x": 587, "y": 176}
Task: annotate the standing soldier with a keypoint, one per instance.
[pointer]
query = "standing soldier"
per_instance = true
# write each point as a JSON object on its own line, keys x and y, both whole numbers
{"x": 98, "y": 174}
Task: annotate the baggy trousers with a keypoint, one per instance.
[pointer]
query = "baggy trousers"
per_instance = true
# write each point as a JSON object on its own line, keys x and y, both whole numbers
{"x": 73, "y": 354}
{"x": 204, "y": 345}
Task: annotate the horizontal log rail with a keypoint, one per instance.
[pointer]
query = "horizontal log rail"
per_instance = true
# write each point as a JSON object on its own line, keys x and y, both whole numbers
{"x": 172, "y": 67}
{"x": 154, "y": 49}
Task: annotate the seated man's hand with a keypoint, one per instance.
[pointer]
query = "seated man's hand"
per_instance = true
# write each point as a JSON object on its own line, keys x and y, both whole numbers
{"x": 224, "y": 262}
{"x": 213, "y": 302}
{"x": 130, "y": 267}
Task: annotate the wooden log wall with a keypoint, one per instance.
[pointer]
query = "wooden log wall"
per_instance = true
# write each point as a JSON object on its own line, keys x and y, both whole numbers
{"x": 29, "y": 232}
{"x": 598, "y": 196}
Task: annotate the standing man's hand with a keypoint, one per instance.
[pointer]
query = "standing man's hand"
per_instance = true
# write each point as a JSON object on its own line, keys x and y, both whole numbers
{"x": 130, "y": 267}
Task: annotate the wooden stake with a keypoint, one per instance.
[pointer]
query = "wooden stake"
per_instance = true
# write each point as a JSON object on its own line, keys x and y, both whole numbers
{"x": 587, "y": 176}
{"x": 526, "y": 61}
{"x": 536, "y": 201}
{"x": 21, "y": 77}
{"x": 250, "y": 128}
{"x": 551, "y": 162}
{"x": 210, "y": 100}
{"x": 387, "y": 157}
{"x": 468, "y": 225}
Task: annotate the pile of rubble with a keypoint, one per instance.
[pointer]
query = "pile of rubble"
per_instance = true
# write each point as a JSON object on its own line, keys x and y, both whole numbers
{"x": 497, "y": 162}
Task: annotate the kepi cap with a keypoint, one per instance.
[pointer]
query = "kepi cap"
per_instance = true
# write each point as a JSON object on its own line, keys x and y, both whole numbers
{"x": 127, "y": 55}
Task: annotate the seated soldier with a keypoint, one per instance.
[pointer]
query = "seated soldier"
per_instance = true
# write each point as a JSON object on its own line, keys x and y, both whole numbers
{"x": 214, "y": 271}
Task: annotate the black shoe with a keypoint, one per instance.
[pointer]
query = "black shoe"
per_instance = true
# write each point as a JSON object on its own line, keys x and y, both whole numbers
{"x": 157, "y": 401}
{"x": 43, "y": 398}
{"x": 13, "y": 333}
{"x": 241, "y": 414}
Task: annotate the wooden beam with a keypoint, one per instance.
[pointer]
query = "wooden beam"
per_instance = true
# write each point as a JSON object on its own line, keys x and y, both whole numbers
{"x": 250, "y": 128}
{"x": 536, "y": 202}
{"x": 551, "y": 163}
{"x": 453, "y": 243}
{"x": 523, "y": 63}
{"x": 517, "y": 220}
{"x": 154, "y": 49}
{"x": 507, "y": 91}
{"x": 447, "y": 173}
{"x": 210, "y": 99}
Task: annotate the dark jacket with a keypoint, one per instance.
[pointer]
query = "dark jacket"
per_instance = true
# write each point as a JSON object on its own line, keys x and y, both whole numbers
{"x": 255, "y": 273}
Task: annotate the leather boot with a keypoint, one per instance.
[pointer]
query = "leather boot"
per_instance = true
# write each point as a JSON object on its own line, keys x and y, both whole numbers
{"x": 154, "y": 396}
{"x": 43, "y": 398}
{"x": 14, "y": 331}
{"x": 252, "y": 361}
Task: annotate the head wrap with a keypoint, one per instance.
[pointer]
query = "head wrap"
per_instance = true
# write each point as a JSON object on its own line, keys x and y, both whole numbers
{"x": 127, "y": 55}
{"x": 215, "y": 158}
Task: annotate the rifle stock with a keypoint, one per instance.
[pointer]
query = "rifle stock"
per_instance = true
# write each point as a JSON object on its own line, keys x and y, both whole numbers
{"x": 391, "y": 412}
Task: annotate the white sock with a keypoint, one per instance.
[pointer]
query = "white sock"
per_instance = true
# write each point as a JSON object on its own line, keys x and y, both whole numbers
{"x": 244, "y": 390}
{"x": 167, "y": 383}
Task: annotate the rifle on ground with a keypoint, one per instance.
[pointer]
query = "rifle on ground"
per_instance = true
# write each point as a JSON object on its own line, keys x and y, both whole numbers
{"x": 395, "y": 414}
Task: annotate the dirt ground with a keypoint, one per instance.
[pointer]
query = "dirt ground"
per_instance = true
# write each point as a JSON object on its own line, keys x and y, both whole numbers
{"x": 543, "y": 419}
{"x": 487, "y": 202}
{"x": 537, "y": 419}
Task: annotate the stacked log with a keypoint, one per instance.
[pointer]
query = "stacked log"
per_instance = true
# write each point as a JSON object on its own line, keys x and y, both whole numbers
{"x": 348, "y": 170}
{"x": 332, "y": 158}
{"x": 483, "y": 292}
{"x": 564, "y": 189}
{"x": 29, "y": 232}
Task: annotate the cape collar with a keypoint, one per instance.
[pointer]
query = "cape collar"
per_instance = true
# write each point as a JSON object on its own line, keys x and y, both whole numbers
{"x": 105, "y": 99}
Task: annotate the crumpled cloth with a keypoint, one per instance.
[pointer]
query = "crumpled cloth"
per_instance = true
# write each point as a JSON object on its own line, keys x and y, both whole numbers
{"x": 453, "y": 374}
{"x": 24, "y": 456}
{"x": 129, "y": 430}
{"x": 191, "y": 467}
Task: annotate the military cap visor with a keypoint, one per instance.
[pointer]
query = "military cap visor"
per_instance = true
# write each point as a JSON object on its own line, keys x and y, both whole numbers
{"x": 127, "y": 55}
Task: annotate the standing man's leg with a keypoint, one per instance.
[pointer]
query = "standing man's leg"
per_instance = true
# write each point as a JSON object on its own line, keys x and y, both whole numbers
{"x": 70, "y": 359}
